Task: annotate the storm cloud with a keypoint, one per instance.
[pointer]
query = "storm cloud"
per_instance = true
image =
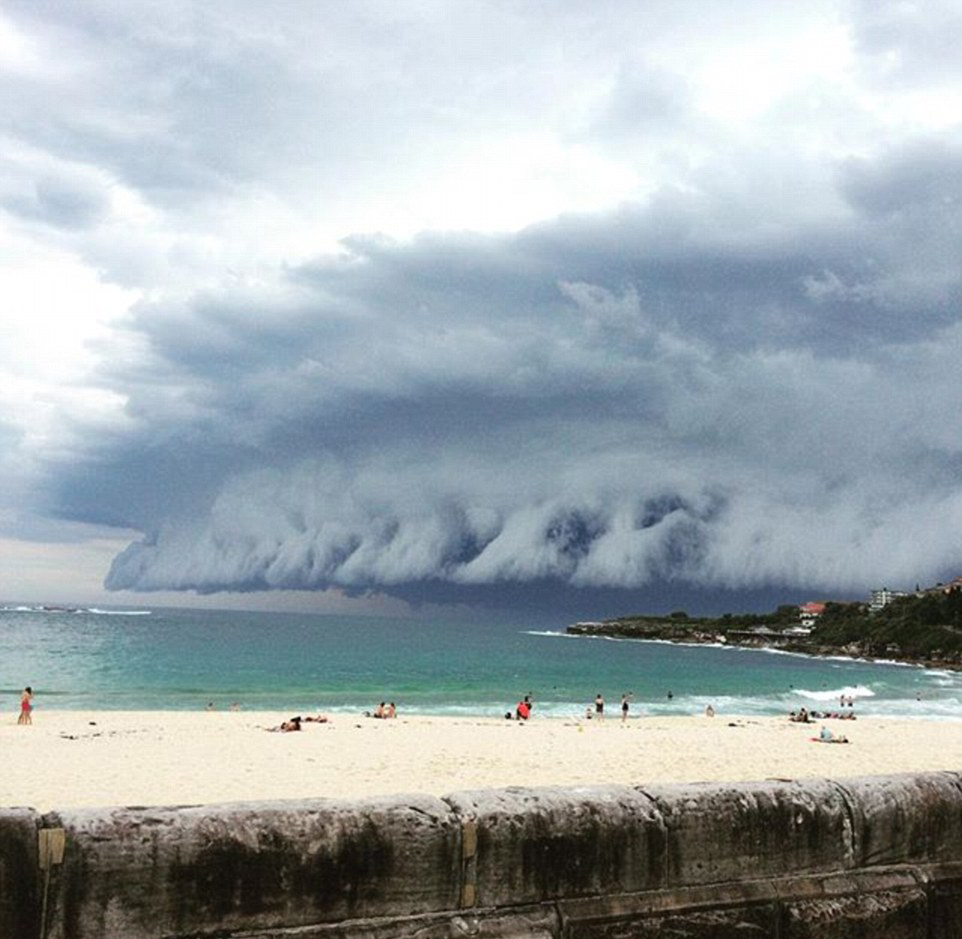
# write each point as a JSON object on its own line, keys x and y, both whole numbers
{"x": 740, "y": 373}
{"x": 580, "y": 401}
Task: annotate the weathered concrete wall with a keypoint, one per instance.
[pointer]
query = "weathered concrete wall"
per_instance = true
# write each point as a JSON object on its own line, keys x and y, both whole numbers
{"x": 878, "y": 857}
{"x": 157, "y": 872}
{"x": 535, "y": 845}
{"x": 19, "y": 908}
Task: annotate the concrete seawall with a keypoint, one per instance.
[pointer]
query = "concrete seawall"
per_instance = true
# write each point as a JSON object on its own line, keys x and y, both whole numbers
{"x": 878, "y": 857}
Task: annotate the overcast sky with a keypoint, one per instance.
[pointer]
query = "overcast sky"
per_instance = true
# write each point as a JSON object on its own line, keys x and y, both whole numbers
{"x": 568, "y": 306}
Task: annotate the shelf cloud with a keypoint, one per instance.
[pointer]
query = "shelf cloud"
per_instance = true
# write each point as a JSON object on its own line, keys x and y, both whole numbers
{"x": 564, "y": 403}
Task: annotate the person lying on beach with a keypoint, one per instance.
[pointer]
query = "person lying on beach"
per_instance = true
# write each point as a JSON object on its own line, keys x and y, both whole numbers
{"x": 285, "y": 727}
{"x": 826, "y": 736}
{"x": 317, "y": 719}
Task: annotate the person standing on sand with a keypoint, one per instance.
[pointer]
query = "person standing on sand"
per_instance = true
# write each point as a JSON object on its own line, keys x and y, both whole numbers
{"x": 600, "y": 707}
{"x": 624, "y": 706}
{"x": 26, "y": 706}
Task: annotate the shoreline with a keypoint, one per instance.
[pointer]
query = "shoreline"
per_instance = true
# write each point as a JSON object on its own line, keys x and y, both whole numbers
{"x": 69, "y": 759}
{"x": 790, "y": 645}
{"x": 604, "y": 631}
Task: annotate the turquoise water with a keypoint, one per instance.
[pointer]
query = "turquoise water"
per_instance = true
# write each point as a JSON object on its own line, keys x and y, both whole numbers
{"x": 182, "y": 659}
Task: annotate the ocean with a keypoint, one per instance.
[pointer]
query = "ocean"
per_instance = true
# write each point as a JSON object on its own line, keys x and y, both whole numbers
{"x": 176, "y": 659}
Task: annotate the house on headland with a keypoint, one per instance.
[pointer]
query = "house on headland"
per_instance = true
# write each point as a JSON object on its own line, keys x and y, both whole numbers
{"x": 954, "y": 584}
{"x": 881, "y": 598}
{"x": 809, "y": 612}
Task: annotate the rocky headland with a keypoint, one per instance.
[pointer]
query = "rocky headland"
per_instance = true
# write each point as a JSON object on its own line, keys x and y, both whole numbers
{"x": 924, "y": 629}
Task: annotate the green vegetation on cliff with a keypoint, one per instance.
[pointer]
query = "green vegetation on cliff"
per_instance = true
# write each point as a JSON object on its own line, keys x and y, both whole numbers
{"x": 924, "y": 628}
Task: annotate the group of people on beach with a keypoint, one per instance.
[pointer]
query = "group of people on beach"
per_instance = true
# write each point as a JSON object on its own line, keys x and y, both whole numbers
{"x": 384, "y": 711}
{"x": 522, "y": 711}
{"x": 594, "y": 711}
{"x": 597, "y": 711}
{"x": 803, "y": 716}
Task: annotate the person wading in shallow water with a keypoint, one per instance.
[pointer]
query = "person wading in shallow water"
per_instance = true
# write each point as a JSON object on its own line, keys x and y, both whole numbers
{"x": 600, "y": 707}
{"x": 26, "y": 706}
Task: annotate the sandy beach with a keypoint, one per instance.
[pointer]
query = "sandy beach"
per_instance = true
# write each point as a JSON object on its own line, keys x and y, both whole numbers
{"x": 73, "y": 759}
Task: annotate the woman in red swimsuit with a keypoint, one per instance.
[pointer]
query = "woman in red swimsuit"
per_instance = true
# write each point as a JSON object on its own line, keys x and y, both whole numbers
{"x": 26, "y": 706}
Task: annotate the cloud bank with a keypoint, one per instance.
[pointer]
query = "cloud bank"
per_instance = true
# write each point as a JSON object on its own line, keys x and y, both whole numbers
{"x": 429, "y": 307}
{"x": 581, "y": 402}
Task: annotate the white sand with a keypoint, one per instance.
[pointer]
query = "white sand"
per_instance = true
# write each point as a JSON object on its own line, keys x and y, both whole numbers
{"x": 72, "y": 759}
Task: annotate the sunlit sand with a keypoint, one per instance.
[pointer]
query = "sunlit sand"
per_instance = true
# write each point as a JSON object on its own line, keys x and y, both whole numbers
{"x": 70, "y": 759}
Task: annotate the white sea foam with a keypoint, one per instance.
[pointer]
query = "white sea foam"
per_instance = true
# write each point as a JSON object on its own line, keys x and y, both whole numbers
{"x": 857, "y": 691}
{"x": 942, "y": 673}
{"x": 892, "y": 662}
{"x": 747, "y": 650}
{"x": 117, "y": 612}
{"x": 73, "y": 610}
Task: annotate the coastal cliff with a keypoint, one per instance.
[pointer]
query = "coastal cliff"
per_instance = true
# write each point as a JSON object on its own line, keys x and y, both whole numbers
{"x": 924, "y": 629}
{"x": 712, "y": 632}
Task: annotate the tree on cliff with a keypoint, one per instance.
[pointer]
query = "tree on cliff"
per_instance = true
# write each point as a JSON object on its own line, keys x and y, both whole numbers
{"x": 928, "y": 626}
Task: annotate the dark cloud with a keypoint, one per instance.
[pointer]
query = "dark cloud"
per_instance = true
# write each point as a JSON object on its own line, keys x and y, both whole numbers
{"x": 923, "y": 177}
{"x": 579, "y": 403}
